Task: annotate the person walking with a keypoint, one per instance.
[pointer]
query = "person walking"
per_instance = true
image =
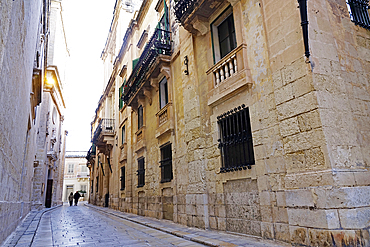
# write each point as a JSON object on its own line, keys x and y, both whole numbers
{"x": 70, "y": 199}
{"x": 76, "y": 196}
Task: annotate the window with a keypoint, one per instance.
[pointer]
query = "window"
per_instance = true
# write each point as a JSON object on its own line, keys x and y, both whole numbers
{"x": 70, "y": 168}
{"x": 123, "y": 177}
{"x": 236, "y": 139}
{"x": 97, "y": 183}
{"x": 140, "y": 172}
{"x": 123, "y": 134}
{"x": 358, "y": 11}
{"x": 121, "y": 90}
{"x": 163, "y": 93}
{"x": 140, "y": 117}
{"x": 83, "y": 168}
{"x": 166, "y": 163}
{"x": 83, "y": 188}
{"x": 223, "y": 35}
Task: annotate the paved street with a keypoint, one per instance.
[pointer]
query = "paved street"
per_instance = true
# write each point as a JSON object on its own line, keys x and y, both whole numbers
{"x": 95, "y": 226}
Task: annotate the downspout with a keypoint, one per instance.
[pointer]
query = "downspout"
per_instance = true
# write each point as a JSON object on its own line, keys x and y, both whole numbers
{"x": 304, "y": 24}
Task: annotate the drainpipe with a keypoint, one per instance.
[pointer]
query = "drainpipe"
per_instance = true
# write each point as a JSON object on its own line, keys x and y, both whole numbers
{"x": 304, "y": 24}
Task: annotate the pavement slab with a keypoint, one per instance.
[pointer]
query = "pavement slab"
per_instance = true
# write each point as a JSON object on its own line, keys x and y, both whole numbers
{"x": 89, "y": 225}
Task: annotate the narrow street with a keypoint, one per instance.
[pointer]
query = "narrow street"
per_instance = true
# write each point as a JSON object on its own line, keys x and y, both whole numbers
{"x": 71, "y": 226}
{"x": 87, "y": 225}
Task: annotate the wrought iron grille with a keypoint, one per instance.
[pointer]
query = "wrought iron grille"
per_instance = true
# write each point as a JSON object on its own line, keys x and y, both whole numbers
{"x": 235, "y": 141}
{"x": 160, "y": 43}
{"x": 183, "y": 9}
{"x": 358, "y": 10}
{"x": 140, "y": 172}
{"x": 166, "y": 164}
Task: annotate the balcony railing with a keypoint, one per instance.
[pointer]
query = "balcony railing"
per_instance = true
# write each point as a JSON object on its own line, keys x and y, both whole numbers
{"x": 106, "y": 126}
{"x": 228, "y": 66}
{"x": 183, "y": 9}
{"x": 159, "y": 44}
{"x": 91, "y": 153}
{"x": 189, "y": 12}
{"x": 83, "y": 174}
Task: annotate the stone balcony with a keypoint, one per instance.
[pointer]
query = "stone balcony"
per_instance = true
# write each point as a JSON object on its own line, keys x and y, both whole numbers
{"x": 229, "y": 76}
{"x": 194, "y": 14}
{"x": 104, "y": 134}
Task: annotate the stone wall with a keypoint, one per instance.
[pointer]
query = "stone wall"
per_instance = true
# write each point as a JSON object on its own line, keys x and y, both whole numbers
{"x": 18, "y": 38}
{"x": 309, "y": 120}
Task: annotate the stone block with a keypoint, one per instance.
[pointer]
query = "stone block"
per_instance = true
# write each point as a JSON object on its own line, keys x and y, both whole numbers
{"x": 284, "y": 94}
{"x": 280, "y": 199}
{"x": 304, "y": 141}
{"x": 347, "y": 197}
{"x": 298, "y": 235}
{"x": 326, "y": 219}
{"x": 357, "y": 218}
{"x": 308, "y": 179}
{"x": 282, "y": 232}
{"x": 303, "y": 104}
{"x": 299, "y": 198}
{"x": 267, "y": 230}
{"x": 362, "y": 178}
{"x": 280, "y": 214}
{"x": 289, "y": 127}
{"x": 266, "y": 213}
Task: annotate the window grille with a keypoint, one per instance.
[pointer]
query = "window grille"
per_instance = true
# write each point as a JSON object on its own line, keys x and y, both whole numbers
{"x": 235, "y": 141}
{"x": 140, "y": 172}
{"x": 123, "y": 177}
{"x": 359, "y": 13}
{"x": 166, "y": 163}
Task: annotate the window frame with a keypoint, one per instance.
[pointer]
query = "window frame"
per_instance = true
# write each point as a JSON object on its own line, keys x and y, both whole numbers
{"x": 140, "y": 117}
{"x": 227, "y": 13}
{"x": 123, "y": 134}
{"x": 69, "y": 170}
{"x": 163, "y": 93}
{"x": 123, "y": 178}
{"x": 166, "y": 163}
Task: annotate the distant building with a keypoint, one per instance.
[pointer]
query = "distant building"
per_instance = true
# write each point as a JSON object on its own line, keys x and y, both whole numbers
{"x": 76, "y": 176}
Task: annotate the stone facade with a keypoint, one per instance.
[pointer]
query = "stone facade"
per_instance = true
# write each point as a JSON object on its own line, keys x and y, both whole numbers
{"x": 24, "y": 99}
{"x": 309, "y": 180}
{"x": 76, "y": 175}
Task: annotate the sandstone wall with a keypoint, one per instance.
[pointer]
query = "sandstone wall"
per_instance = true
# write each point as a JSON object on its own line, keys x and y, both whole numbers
{"x": 18, "y": 37}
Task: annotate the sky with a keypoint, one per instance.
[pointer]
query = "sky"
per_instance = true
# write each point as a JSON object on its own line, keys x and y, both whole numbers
{"x": 86, "y": 24}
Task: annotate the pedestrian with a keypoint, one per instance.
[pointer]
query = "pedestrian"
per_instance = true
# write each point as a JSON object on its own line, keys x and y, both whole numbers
{"x": 76, "y": 197}
{"x": 70, "y": 199}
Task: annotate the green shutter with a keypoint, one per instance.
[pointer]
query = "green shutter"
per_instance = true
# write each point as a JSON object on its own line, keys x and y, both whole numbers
{"x": 134, "y": 62}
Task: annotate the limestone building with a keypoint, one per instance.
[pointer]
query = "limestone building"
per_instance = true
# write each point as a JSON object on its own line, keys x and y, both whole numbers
{"x": 242, "y": 115}
{"x": 76, "y": 175}
{"x": 29, "y": 103}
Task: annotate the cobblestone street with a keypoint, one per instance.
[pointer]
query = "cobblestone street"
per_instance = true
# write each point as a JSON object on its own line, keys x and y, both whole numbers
{"x": 88, "y": 225}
